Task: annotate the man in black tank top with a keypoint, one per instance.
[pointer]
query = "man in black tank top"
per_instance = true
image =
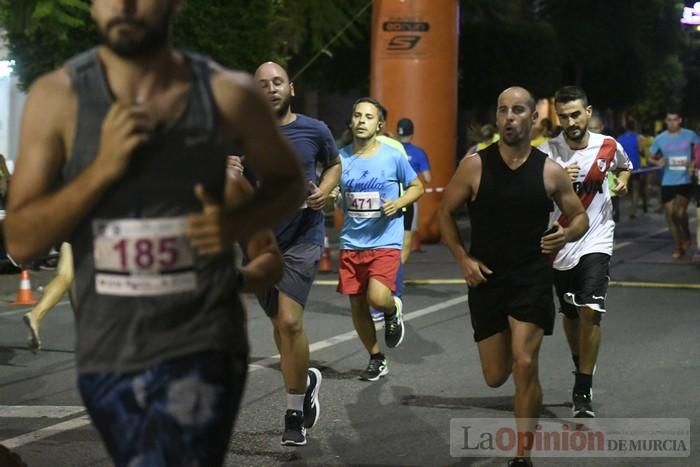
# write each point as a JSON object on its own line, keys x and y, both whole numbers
{"x": 123, "y": 154}
{"x": 509, "y": 188}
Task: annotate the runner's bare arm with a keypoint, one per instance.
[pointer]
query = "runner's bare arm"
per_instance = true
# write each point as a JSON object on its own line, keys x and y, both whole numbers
{"x": 248, "y": 120}
{"x": 458, "y": 191}
{"x": 39, "y": 215}
{"x": 329, "y": 180}
{"x": 559, "y": 188}
{"x": 264, "y": 269}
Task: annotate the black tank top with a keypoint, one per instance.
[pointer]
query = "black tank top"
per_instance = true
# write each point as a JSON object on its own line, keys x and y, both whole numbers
{"x": 508, "y": 217}
{"x": 142, "y": 295}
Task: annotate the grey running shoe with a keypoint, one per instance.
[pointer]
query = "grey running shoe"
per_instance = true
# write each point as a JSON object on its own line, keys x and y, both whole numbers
{"x": 294, "y": 431}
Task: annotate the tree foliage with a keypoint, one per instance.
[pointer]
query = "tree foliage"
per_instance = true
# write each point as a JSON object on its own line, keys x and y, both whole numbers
{"x": 42, "y": 34}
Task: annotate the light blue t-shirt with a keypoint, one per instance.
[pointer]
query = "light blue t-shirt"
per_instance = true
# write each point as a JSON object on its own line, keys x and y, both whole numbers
{"x": 676, "y": 149}
{"x": 364, "y": 183}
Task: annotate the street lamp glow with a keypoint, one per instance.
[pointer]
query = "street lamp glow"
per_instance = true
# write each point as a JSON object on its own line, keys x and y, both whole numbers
{"x": 6, "y": 68}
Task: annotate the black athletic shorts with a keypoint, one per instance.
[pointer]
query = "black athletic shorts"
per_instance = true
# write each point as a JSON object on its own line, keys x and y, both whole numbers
{"x": 300, "y": 266}
{"x": 408, "y": 217}
{"x": 668, "y": 192}
{"x": 490, "y": 307}
{"x": 586, "y": 284}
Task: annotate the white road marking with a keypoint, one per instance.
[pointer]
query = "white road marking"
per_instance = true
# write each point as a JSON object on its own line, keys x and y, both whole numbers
{"x": 21, "y": 440}
{"x": 619, "y": 246}
{"x": 350, "y": 335}
{"x": 39, "y": 411}
{"x": 18, "y": 441}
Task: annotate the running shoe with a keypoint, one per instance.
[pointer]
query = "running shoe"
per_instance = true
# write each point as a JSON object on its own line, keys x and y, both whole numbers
{"x": 375, "y": 369}
{"x": 33, "y": 342}
{"x": 582, "y": 405}
{"x": 312, "y": 407}
{"x": 519, "y": 462}
{"x": 377, "y": 316}
{"x": 294, "y": 431}
{"x": 393, "y": 327}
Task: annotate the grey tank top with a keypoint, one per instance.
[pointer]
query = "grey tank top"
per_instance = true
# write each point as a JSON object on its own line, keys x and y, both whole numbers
{"x": 141, "y": 294}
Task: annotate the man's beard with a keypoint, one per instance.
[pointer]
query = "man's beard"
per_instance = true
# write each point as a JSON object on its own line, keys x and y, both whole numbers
{"x": 284, "y": 107}
{"x": 514, "y": 140}
{"x": 154, "y": 39}
{"x": 583, "y": 131}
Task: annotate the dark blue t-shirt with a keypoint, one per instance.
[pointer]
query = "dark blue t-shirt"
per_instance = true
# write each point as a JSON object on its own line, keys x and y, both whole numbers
{"x": 316, "y": 147}
{"x": 417, "y": 158}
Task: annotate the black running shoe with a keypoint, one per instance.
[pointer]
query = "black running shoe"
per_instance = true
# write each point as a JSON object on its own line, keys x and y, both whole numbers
{"x": 294, "y": 431}
{"x": 312, "y": 407}
{"x": 519, "y": 462}
{"x": 582, "y": 406}
{"x": 393, "y": 326}
{"x": 375, "y": 369}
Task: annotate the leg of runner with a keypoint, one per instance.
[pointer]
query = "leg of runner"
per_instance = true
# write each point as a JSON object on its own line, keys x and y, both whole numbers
{"x": 364, "y": 326}
{"x": 53, "y": 292}
{"x": 669, "y": 212}
{"x": 293, "y": 346}
{"x": 526, "y": 342}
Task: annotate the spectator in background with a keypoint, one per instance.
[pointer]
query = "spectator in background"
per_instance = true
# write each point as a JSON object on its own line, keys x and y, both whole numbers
{"x": 484, "y": 136}
{"x": 633, "y": 144}
{"x": 541, "y": 132}
{"x": 4, "y": 181}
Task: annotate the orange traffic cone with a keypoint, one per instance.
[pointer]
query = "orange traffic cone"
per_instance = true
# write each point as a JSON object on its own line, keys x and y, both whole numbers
{"x": 24, "y": 294}
{"x": 326, "y": 264}
{"x": 415, "y": 242}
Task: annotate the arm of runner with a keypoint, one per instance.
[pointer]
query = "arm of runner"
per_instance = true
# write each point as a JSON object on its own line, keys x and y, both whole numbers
{"x": 559, "y": 188}
{"x": 39, "y": 215}
{"x": 459, "y": 190}
{"x": 414, "y": 191}
{"x": 265, "y": 267}
{"x": 623, "y": 171}
{"x": 329, "y": 180}
{"x": 248, "y": 120}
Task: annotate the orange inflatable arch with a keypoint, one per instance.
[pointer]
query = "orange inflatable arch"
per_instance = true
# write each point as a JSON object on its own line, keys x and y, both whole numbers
{"x": 414, "y": 75}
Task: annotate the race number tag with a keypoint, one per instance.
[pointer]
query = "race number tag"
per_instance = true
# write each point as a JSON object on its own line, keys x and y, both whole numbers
{"x": 677, "y": 163}
{"x": 143, "y": 257}
{"x": 364, "y": 204}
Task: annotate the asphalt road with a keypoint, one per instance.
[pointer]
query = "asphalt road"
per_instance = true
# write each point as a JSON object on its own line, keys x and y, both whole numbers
{"x": 648, "y": 369}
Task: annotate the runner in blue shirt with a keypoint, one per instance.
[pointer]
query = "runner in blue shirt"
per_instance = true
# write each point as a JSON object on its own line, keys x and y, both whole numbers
{"x": 673, "y": 150}
{"x": 300, "y": 237}
{"x": 372, "y": 232}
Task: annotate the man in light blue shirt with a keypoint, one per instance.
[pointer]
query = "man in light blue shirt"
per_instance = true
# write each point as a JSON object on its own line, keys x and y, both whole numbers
{"x": 372, "y": 233}
{"x": 673, "y": 150}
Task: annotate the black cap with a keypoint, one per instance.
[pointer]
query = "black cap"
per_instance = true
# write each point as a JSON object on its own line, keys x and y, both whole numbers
{"x": 404, "y": 127}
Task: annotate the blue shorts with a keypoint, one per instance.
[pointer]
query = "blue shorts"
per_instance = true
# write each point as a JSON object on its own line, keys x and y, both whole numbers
{"x": 177, "y": 413}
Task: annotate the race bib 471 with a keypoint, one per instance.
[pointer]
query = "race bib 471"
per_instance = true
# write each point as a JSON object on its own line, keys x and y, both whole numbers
{"x": 363, "y": 204}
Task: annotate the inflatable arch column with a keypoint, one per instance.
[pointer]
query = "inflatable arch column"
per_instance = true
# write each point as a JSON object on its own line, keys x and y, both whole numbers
{"x": 414, "y": 75}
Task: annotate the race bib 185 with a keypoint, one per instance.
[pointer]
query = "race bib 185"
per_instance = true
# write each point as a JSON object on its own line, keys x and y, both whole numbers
{"x": 143, "y": 257}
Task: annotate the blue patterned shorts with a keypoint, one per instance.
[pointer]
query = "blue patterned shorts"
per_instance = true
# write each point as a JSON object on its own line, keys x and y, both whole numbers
{"x": 177, "y": 413}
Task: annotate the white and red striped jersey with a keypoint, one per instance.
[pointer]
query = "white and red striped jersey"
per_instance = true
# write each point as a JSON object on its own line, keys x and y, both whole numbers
{"x": 602, "y": 154}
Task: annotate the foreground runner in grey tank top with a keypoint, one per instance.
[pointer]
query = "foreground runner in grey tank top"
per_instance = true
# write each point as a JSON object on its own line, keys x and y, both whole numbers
{"x": 123, "y": 154}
